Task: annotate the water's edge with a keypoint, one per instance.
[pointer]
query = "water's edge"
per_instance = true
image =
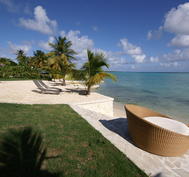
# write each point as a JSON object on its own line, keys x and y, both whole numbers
{"x": 167, "y": 93}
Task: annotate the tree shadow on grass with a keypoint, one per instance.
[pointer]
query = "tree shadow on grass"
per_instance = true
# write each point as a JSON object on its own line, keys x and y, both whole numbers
{"x": 42, "y": 173}
{"x": 22, "y": 154}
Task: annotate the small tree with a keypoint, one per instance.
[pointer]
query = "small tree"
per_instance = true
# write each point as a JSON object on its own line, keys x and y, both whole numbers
{"x": 39, "y": 59}
{"x": 21, "y": 57}
{"x": 6, "y": 62}
{"x": 93, "y": 69}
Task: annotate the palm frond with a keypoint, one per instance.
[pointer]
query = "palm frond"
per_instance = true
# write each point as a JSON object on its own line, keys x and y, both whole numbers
{"x": 21, "y": 153}
{"x": 93, "y": 69}
{"x": 99, "y": 77}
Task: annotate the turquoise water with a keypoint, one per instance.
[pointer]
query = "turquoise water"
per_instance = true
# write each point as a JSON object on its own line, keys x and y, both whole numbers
{"x": 167, "y": 93}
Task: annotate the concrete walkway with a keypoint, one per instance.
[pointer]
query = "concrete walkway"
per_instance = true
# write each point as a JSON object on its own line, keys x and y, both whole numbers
{"x": 115, "y": 130}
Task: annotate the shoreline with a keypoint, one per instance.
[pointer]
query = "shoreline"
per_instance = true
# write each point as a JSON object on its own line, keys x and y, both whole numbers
{"x": 17, "y": 91}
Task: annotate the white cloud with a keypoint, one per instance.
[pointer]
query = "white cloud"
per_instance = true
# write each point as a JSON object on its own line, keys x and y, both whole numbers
{"x": 154, "y": 59}
{"x": 139, "y": 58}
{"x": 45, "y": 45}
{"x": 173, "y": 64}
{"x": 133, "y": 66}
{"x": 180, "y": 41}
{"x": 14, "y": 47}
{"x": 114, "y": 58}
{"x": 177, "y": 55}
{"x": 134, "y": 51}
{"x": 176, "y": 20}
{"x": 79, "y": 43}
{"x": 40, "y": 23}
{"x": 155, "y": 34}
{"x": 149, "y": 35}
{"x": 130, "y": 48}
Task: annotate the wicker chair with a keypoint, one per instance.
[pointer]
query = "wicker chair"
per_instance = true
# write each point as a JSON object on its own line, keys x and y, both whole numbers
{"x": 153, "y": 138}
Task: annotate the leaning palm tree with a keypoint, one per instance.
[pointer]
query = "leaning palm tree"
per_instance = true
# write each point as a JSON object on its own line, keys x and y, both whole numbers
{"x": 62, "y": 55}
{"x": 93, "y": 69}
{"x": 21, "y": 153}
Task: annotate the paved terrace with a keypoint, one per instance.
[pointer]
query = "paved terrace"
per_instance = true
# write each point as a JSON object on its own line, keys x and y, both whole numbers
{"x": 115, "y": 130}
{"x": 112, "y": 128}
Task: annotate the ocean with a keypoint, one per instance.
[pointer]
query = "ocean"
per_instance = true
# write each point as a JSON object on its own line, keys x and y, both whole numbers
{"x": 167, "y": 93}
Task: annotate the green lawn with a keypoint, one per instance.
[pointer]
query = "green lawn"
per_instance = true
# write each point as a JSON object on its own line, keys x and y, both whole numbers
{"x": 74, "y": 147}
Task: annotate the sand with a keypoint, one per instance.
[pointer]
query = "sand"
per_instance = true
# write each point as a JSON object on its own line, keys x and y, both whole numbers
{"x": 27, "y": 92}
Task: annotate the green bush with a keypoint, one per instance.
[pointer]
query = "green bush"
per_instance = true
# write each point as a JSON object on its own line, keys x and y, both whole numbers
{"x": 21, "y": 72}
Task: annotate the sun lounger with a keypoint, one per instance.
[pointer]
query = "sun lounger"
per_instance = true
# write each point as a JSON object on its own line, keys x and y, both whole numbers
{"x": 47, "y": 87}
{"x": 152, "y": 137}
{"x": 46, "y": 90}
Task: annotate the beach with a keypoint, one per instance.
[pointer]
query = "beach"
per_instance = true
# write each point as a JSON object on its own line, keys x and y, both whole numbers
{"x": 26, "y": 92}
{"x": 164, "y": 92}
{"x": 29, "y": 92}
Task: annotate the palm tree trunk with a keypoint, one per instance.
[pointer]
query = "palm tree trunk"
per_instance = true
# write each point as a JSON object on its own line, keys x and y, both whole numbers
{"x": 64, "y": 82}
{"x": 88, "y": 90}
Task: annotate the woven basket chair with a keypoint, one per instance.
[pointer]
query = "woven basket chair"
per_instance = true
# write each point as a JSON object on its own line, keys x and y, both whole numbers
{"x": 152, "y": 138}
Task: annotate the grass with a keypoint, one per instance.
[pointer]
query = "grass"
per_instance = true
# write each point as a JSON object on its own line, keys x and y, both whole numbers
{"x": 74, "y": 147}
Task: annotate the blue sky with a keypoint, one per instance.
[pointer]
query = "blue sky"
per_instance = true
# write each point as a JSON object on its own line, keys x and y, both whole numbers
{"x": 145, "y": 35}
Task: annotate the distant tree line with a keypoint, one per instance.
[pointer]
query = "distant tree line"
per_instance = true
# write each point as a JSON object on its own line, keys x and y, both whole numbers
{"x": 59, "y": 63}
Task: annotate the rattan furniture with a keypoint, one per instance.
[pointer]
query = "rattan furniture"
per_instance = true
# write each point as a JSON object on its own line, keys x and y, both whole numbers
{"x": 153, "y": 138}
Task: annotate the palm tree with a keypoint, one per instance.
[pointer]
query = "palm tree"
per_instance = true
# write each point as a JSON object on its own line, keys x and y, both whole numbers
{"x": 93, "y": 69}
{"x": 21, "y": 57}
{"x": 63, "y": 46}
{"x": 39, "y": 60}
{"x": 59, "y": 66}
{"x": 21, "y": 153}
{"x": 62, "y": 56}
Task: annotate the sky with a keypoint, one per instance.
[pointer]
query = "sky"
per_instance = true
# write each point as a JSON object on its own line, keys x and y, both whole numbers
{"x": 133, "y": 35}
